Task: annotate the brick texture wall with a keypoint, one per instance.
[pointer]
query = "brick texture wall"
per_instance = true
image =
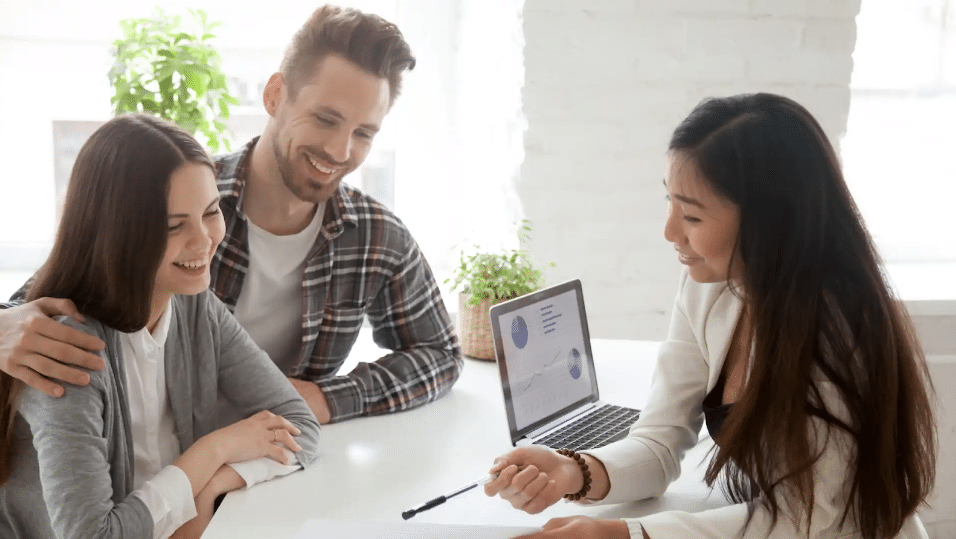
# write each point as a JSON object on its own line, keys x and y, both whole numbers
{"x": 606, "y": 83}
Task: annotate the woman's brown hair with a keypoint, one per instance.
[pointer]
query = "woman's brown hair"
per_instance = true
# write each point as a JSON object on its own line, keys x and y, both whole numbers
{"x": 112, "y": 234}
{"x": 821, "y": 311}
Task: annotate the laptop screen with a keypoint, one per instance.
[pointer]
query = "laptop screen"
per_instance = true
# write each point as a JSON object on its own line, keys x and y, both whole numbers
{"x": 544, "y": 355}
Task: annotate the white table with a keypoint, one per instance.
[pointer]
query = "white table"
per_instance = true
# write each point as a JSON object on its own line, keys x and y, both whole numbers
{"x": 375, "y": 468}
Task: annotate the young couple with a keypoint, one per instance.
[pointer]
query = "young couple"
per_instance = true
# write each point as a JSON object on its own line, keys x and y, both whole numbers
{"x": 785, "y": 338}
{"x": 194, "y": 392}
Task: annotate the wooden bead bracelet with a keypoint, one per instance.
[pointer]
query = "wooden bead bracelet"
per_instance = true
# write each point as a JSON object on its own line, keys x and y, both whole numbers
{"x": 584, "y": 472}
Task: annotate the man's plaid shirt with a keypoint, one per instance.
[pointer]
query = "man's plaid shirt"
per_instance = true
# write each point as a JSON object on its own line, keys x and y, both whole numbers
{"x": 364, "y": 263}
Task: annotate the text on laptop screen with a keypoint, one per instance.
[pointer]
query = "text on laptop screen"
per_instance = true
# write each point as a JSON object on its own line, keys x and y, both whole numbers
{"x": 547, "y": 367}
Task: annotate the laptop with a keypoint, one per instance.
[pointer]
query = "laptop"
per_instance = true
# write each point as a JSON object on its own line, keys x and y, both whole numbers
{"x": 543, "y": 349}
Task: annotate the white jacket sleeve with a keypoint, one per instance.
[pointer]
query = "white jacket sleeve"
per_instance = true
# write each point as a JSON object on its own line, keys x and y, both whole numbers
{"x": 264, "y": 469}
{"x": 644, "y": 463}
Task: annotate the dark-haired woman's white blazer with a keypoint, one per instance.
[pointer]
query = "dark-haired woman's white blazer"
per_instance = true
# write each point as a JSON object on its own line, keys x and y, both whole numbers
{"x": 688, "y": 366}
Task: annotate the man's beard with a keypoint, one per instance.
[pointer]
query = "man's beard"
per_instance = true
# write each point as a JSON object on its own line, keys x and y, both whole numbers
{"x": 287, "y": 172}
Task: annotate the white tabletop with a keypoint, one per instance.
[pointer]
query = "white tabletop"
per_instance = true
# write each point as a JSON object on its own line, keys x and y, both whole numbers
{"x": 374, "y": 468}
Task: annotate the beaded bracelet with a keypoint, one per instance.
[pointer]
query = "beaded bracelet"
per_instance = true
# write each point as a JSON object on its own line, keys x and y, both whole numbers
{"x": 584, "y": 472}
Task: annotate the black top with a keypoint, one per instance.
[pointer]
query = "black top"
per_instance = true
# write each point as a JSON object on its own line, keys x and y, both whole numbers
{"x": 714, "y": 412}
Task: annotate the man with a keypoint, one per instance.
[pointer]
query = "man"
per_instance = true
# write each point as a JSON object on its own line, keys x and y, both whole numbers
{"x": 305, "y": 258}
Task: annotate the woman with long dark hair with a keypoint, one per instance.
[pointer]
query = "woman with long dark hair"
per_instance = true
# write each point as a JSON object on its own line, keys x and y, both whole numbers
{"x": 136, "y": 453}
{"x": 786, "y": 339}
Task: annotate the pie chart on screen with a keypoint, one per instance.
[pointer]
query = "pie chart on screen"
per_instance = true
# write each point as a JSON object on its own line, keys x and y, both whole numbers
{"x": 574, "y": 363}
{"x": 519, "y": 332}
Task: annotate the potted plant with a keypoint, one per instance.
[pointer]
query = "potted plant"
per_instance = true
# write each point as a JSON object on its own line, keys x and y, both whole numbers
{"x": 167, "y": 66}
{"x": 487, "y": 278}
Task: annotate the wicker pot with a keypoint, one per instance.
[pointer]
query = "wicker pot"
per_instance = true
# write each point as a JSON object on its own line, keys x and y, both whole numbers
{"x": 474, "y": 328}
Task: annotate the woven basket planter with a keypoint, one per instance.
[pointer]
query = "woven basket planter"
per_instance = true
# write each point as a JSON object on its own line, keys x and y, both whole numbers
{"x": 474, "y": 328}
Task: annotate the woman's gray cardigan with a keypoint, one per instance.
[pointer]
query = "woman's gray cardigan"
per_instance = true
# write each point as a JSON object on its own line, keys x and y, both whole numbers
{"x": 73, "y": 463}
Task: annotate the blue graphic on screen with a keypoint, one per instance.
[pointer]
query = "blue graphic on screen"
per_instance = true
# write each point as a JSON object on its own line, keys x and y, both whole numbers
{"x": 519, "y": 332}
{"x": 548, "y": 367}
{"x": 574, "y": 363}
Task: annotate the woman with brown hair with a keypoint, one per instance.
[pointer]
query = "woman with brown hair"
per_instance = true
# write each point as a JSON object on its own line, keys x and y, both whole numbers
{"x": 785, "y": 339}
{"x": 137, "y": 452}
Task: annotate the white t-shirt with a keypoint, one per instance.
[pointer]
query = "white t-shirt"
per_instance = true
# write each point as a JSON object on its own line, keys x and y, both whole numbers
{"x": 270, "y": 304}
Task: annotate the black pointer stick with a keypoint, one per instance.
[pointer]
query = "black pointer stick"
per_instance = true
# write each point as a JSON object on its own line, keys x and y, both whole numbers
{"x": 442, "y": 499}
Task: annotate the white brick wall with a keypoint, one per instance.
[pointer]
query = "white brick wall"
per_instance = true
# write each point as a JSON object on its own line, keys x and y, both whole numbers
{"x": 606, "y": 83}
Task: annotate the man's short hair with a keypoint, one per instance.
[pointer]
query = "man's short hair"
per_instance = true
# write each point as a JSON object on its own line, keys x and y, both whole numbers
{"x": 367, "y": 40}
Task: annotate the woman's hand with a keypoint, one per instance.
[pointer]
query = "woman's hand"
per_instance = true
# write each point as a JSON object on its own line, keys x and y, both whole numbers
{"x": 262, "y": 435}
{"x": 224, "y": 480}
{"x": 581, "y": 528}
{"x": 534, "y": 478}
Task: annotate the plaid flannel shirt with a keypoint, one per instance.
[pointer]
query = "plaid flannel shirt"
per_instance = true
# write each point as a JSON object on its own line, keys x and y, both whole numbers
{"x": 364, "y": 263}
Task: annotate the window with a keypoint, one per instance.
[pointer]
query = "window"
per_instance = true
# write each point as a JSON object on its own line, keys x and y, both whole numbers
{"x": 446, "y": 160}
{"x": 898, "y": 149}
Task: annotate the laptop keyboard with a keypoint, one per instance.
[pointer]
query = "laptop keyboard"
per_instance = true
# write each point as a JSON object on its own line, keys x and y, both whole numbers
{"x": 593, "y": 430}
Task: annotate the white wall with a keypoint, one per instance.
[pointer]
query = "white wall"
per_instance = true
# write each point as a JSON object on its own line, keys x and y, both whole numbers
{"x": 607, "y": 82}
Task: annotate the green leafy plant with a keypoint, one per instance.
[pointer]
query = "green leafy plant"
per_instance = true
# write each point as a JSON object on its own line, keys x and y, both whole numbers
{"x": 498, "y": 276}
{"x": 167, "y": 66}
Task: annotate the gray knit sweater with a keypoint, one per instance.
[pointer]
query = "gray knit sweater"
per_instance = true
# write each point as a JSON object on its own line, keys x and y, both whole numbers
{"x": 73, "y": 463}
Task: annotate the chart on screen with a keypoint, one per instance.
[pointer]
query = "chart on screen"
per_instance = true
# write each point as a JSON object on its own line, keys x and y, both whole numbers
{"x": 547, "y": 366}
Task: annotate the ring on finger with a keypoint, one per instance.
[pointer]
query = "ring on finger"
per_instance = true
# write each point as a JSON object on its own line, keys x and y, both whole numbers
{"x": 276, "y": 433}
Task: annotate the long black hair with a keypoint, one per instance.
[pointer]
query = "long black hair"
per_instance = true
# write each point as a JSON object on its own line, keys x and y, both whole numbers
{"x": 821, "y": 309}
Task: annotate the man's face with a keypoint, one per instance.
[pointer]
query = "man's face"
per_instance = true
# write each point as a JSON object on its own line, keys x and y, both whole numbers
{"x": 326, "y": 130}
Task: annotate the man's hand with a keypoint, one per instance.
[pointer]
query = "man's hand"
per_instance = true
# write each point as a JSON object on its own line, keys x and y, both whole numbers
{"x": 37, "y": 349}
{"x": 314, "y": 398}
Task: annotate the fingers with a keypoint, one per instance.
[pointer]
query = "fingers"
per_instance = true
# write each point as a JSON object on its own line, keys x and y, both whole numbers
{"x": 51, "y": 329}
{"x": 508, "y": 465}
{"x": 278, "y": 422}
{"x": 550, "y": 528}
{"x": 278, "y": 454}
{"x": 41, "y": 351}
{"x": 285, "y": 438}
{"x": 554, "y": 528}
{"x": 34, "y": 380}
{"x": 523, "y": 479}
{"x": 54, "y": 370}
{"x": 546, "y": 497}
{"x": 505, "y": 475}
{"x": 58, "y": 306}
{"x": 278, "y": 432}
{"x": 525, "y": 487}
{"x": 268, "y": 420}
{"x": 500, "y": 464}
